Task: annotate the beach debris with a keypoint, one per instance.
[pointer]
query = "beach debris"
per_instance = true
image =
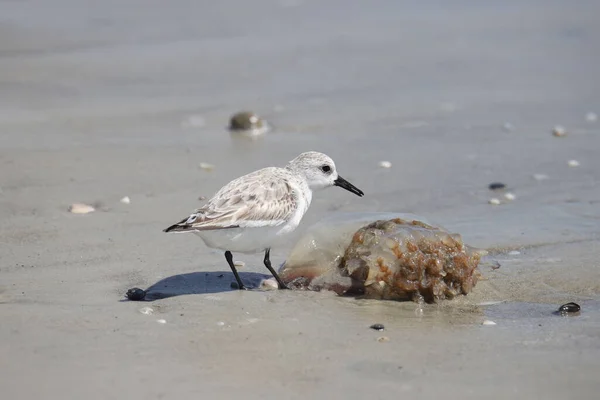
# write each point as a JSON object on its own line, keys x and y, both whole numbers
{"x": 125, "y": 200}
{"x": 147, "y": 310}
{"x": 591, "y": 117}
{"x": 496, "y": 186}
{"x": 488, "y": 322}
{"x": 385, "y": 164}
{"x": 569, "y": 308}
{"x": 220, "y": 323}
{"x": 248, "y": 124}
{"x": 509, "y": 196}
{"x": 206, "y": 166}
{"x": 193, "y": 121}
{"x": 573, "y": 163}
{"x": 559, "y": 131}
{"x": 136, "y": 294}
{"x": 383, "y": 339}
{"x": 508, "y": 127}
{"x": 392, "y": 259}
{"x": 269, "y": 284}
{"x": 161, "y": 321}
{"x": 494, "y": 201}
{"x": 377, "y": 327}
{"x": 80, "y": 208}
{"x": 239, "y": 264}
{"x": 540, "y": 177}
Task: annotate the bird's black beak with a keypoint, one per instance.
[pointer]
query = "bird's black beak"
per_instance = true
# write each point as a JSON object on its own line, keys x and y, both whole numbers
{"x": 341, "y": 182}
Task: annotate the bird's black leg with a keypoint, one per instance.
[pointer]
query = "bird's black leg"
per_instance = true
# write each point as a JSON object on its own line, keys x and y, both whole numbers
{"x": 268, "y": 265}
{"x": 229, "y": 258}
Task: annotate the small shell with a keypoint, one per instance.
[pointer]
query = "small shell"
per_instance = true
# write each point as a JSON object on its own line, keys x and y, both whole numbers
{"x": 573, "y": 163}
{"x": 125, "y": 200}
{"x": 385, "y": 164}
{"x": 269, "y": 284}
{"x": 540, "y": 177}
{"x": 239, "y": 264}
{"x": 494, "y": 201}
{"x": 206, "y": 166}
{"x": 508, "y": 127}
{"x": 509, "y": 196}
{"x": 161, "y": 321}
{"x": 559, "y": 131}
{"x": 488, "y": 322}
{"x": 591, "y": 117}
{"x": 147, "y": 310}
{"x": 80, "y": 208}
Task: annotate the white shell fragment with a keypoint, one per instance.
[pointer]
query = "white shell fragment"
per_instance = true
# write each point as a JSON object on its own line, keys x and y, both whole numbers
{"x": 125, "y": 200}
{"x": 488, "y": 322}
{"x": 239, "y": 264}
{"x": 591, "y": 117}
{"x": 573, "y": 163}
{"x": 161, "y": 321}
{"x": 385, "y": 164}
{"x": 559, "y": 131}
{"x": 80, "y": 208}
{"x": 147, "y": 310}
{"x": 509, "y": 196}
{"x": 540, "y": 177}
{"x": 269, "y": 284}
{"x": 494, "y": 201}
{"x": 508, "y": 127}
{"x": 206, "y": 166}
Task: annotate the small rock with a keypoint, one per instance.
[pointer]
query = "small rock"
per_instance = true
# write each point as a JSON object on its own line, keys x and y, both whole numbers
{"x": 508, "y": 127}
{"x": 591, "y": 117}
{"x": 494, "y": 201}
{"x": 509, "y": 196}
{"x": 383, "y": 339}
{"x": 161, "y": 321}
{"x": 496, "y": 186}
{"x": 385, "y": 164}
{"x": 206, "y": 166}
{"x": 80, "y": 208}
{"x": 220, "y": 323}
{"x": 573, "y": 163}
{"x": 488, "y": 322}
{"x": 377, "y": 327}
{"x": 559, "y": 131}
{"x": 136, "y": 294}
{"x": 147, "y": 310}
{"x": 239, "y": 264}
{"x": 201, "y": 198}
{"x": 125, "y": 200}
{"x": 540, "y": 177}
{"x": 569, "y": 308}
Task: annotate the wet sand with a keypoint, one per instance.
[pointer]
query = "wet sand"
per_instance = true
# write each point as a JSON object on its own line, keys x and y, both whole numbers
{"x": 93, "y": 107}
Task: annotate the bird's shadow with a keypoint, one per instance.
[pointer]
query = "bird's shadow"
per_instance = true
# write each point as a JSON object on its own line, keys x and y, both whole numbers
{"x": 201, "y": 283}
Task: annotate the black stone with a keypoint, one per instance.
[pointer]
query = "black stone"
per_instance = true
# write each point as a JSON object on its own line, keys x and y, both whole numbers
{"x": 496, "y": 186}
{"x": 377, "y": 327}
{"x": 136, "y": 294}
{"x": 569, "y": 308}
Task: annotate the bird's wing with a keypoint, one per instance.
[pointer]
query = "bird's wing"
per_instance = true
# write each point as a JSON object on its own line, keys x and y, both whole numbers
{"x": 256, "y": 199}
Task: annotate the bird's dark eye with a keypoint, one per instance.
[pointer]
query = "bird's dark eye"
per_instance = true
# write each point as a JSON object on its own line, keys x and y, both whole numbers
{"x": 326, "y": 168}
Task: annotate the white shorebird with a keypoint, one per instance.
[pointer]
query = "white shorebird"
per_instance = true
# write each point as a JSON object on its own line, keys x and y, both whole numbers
{"x": 253, "y": 212}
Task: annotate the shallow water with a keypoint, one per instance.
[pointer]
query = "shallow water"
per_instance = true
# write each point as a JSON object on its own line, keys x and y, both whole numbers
{"x": 94, "y": 100}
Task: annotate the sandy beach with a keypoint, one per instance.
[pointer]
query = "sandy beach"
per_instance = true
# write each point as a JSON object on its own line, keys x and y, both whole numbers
{"x": 126, "y": 98}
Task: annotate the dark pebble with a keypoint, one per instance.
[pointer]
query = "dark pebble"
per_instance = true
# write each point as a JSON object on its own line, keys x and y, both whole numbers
{"x": 569, "y": 308}
{"x": 220, "y": 276}
{"x": 377, "y": 327}
{"x": 234, "y": 285}
{"x": 136, "y": 294}
{"x": 496, "y": 186}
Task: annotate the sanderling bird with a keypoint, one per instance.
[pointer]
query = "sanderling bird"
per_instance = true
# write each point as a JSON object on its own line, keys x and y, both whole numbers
{"x": 255, "y": 211}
